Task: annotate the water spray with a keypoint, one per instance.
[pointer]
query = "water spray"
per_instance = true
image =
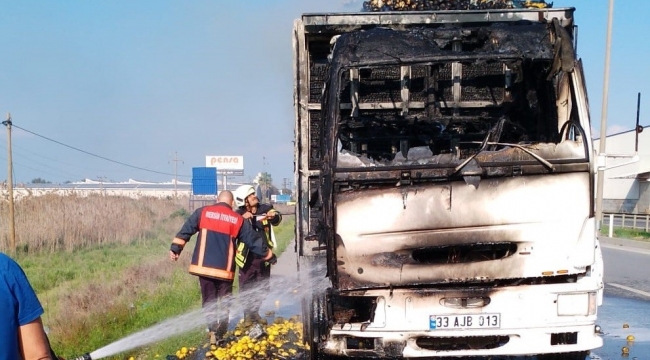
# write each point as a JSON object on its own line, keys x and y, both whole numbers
{"x": 196, "y": 318}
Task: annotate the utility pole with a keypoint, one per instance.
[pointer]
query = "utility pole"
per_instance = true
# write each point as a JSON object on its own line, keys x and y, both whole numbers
{"x": 176, "y": 160}
{"x": 290, "y": 191}
{"x": 264, "y": 179}
{"x": 602, "y": 158}
{"x": 10, "y": 186}
{"x": 101, "y": 184}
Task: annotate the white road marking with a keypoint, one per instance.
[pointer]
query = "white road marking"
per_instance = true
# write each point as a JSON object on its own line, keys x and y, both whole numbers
{"x": 623, "y": 287}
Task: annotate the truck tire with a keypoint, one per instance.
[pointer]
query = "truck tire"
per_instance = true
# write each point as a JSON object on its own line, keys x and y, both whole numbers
{"x": 314, "y": 310}
{"x": 315, "y": 327}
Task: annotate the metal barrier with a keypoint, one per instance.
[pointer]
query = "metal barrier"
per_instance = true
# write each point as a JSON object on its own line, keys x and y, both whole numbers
{"x": 626, "y": 221}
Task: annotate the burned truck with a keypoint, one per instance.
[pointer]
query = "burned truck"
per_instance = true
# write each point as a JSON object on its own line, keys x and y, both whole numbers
{"x": 445, "y": 177}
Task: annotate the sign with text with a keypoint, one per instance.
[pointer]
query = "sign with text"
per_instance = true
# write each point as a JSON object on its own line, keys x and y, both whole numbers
{"x": 226, "y": 165}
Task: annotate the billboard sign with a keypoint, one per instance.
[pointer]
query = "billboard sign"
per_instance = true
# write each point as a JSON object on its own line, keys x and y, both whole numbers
{"x": 226, "y": 165}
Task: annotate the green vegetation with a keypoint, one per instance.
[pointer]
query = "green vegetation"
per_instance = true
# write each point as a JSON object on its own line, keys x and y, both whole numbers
{"x": 284, "y": 233}
{"x": 100, "y": 267}
{"x": 284, "y": 237}
{"x": 40, "y": 181}
{"x": 626, "y": 233}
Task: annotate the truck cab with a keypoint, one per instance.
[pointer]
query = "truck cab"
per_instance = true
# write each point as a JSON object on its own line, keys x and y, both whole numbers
{"x": 445, "y": 174}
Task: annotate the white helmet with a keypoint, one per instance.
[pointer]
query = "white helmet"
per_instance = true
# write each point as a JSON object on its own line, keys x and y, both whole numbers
{"x": 242, "y": 193}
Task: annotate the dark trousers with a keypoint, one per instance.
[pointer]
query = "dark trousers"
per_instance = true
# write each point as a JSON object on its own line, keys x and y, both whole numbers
{"x": 255, "y": 283}
{"x": 213, "y": 291}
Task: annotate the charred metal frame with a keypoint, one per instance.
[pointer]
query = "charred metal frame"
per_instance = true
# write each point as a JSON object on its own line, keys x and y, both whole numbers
{"x": 456, "y": 44}
{"x": 351, "y": 303}
{"x": 312, "y": 34}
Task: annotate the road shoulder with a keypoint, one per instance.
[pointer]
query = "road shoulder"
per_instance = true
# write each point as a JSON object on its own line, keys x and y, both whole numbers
{"x": 629, "y": 243}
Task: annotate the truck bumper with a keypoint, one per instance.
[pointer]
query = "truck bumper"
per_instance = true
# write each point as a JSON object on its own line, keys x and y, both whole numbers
{"x": 515, "y": 342}
{"x": 530, "y": 320}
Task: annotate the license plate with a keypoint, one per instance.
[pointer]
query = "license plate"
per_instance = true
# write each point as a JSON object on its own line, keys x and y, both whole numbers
{"x": 474, "y": 321}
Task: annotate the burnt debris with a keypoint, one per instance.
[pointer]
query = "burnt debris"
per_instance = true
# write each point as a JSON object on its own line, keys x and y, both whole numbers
{"x": 438, "y": 5}
{"x": 500, "y": 95}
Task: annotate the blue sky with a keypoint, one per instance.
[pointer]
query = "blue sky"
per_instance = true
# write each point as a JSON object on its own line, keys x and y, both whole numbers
{"x": 140, "y": 81}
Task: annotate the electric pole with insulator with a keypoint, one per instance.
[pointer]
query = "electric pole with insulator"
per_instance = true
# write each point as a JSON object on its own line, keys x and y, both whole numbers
{"x": 176, "y": 160}
{"x": 10, "y": 187}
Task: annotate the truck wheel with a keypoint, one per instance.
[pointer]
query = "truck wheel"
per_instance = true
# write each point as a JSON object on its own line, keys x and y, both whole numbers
{"x": 314, "y": 308}
{"x": 314, "y": 323}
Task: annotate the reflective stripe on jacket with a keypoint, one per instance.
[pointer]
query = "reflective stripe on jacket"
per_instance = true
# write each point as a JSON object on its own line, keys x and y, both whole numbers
{"x": 214, "y": 253}
{"x": 263, "y": 227}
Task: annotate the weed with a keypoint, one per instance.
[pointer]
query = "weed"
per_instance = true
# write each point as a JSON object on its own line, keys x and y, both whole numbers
{"x": 100, "y": 268}
{"x": 626, "y": 233}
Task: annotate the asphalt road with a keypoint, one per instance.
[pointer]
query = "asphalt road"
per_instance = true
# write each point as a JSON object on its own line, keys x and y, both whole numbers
{"x": 626, "y": 301}
{"x": 627, "y": 268}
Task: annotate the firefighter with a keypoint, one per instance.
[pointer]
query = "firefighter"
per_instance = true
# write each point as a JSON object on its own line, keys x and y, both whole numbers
{"x": 213, "y": 260}
{"x": 22, "y": 335}
{"x": 255, "y": 271}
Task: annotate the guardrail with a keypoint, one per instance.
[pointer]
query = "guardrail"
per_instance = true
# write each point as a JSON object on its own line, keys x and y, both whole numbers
{"x": 626, "y": 221}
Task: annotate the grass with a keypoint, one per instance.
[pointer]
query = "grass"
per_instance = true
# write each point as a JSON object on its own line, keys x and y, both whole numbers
{"x": 284, "y": 236}
{"x": 98, "y": 295}
{"x": 102, "y": 278}
{"x": 626, "y": 233}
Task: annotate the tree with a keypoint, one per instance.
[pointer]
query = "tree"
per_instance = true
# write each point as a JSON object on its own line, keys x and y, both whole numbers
{"x": 265, "y": 181}
{"x": 40, "y": 181}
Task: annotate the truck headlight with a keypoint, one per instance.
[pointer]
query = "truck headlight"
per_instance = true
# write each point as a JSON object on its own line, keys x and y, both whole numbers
{"x": 575, "y": 304}
{"x": 593, "y": 303}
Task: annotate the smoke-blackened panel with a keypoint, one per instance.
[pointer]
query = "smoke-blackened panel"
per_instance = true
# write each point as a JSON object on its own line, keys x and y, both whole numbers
{"x": 483, "y": 82}
{"x": 380, "y": 85}
{"x": 315, "y": 125}
{"x": 317, "y": 75}
{"x": 418, "y": 83}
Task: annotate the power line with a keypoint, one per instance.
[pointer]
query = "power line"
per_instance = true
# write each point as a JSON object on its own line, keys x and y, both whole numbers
{"x": 95, "y": 155}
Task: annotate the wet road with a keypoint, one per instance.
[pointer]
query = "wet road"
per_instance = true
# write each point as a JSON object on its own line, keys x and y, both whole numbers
{"x": 626, "y": 300}
{"x": 615, "y": 312}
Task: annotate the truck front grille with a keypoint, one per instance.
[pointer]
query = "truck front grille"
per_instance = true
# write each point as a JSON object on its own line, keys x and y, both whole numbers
{"x": 469, "y": 253}
{"x": 461, "y": 343}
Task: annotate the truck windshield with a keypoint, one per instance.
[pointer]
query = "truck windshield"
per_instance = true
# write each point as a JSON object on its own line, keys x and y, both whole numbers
{"x": 444, "y": 114}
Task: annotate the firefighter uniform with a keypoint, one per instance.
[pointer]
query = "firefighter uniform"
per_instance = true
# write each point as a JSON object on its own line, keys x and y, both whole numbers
{"x": 255, "y": 274}
{"x": 213, "y": 260}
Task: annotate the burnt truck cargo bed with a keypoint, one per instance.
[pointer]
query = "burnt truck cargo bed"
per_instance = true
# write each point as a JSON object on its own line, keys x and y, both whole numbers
{"x": 426, "y": 96}
{"x": 445, "y": 178}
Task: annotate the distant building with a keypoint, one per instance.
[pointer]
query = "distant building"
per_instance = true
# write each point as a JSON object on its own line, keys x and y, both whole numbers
{"x": 626, "y": 188}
